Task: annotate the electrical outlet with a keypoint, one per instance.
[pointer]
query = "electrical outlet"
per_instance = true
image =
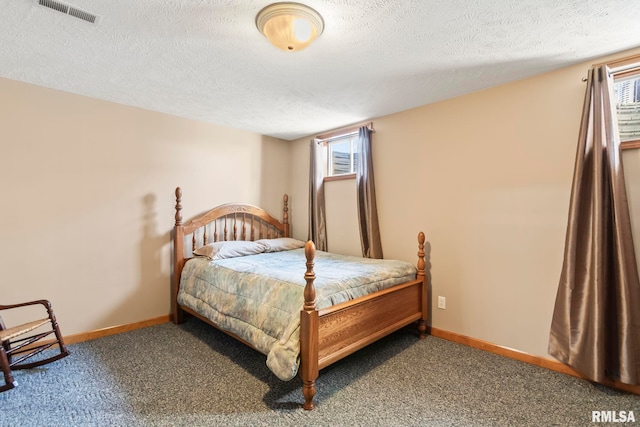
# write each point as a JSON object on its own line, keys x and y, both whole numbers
{"x": 442, "y": 302}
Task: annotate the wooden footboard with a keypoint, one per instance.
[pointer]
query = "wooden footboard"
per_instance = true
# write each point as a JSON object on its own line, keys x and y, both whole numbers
{"x": 330, "y": 334}
{"x": 348, "y": 327}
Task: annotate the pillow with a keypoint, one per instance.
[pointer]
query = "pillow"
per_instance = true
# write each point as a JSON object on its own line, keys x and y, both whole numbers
{"x": 229, "y": 249}
{"x": 281, "y": 244}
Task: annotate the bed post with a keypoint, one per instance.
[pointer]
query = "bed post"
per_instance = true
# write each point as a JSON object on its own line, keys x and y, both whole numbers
{"x": 422, "y": 323}
{"x": 285, "y": 215}
{"x": 309, "y": 332}
{"x": 178, "y": 259}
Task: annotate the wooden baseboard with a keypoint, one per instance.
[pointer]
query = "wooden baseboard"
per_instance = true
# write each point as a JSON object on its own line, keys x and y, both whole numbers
{"x": 543, "y": 362}
{"x": 92, "y": 335}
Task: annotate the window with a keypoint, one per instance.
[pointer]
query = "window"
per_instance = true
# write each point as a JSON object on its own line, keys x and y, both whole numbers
{"x": 340, "y": 151}
{"x": 342, "y": 155}
{"x": 627, "y": 92}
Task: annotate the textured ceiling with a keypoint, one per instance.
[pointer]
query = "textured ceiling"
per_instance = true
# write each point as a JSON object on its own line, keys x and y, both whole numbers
{"x": 205, "y": 59}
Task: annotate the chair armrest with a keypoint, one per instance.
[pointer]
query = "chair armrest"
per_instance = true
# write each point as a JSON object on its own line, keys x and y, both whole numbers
{"x": 43, "y": 302}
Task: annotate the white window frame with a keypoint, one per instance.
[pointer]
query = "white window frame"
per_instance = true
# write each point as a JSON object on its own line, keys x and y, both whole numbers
{"x": 620, "y": 69}
{"x": 352, "y": 139}
{"x": 337, "y": 136}
{"x": 631, "y": 74}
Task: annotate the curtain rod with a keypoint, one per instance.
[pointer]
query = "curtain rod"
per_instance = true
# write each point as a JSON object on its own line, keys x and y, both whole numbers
{"x": 621, "y": 62}
{"x": 347, "y": 130}
{"x": 622, "y": 71}
{"x": 620, "y": 66}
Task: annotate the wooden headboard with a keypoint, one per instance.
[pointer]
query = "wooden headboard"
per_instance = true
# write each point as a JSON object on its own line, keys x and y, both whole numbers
{"x": 231, "y": 221}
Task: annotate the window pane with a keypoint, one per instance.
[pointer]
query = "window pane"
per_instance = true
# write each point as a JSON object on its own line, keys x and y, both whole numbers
{"x": 354, "y": 143}
{"x": 340, "y": 157}
{"x": 628, "y": 107}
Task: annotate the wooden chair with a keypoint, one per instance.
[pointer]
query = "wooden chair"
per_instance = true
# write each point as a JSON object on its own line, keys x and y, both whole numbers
{"x": 22, "y": 342}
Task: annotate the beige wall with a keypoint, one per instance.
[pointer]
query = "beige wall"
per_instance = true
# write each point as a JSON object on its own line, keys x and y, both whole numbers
{"x": 487, "y": 177}
{"x": 342, "y": 220}
{"x": 88, "y": 199}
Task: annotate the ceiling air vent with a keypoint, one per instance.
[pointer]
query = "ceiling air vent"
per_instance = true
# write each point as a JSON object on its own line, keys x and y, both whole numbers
{"x": 69, "y": 10}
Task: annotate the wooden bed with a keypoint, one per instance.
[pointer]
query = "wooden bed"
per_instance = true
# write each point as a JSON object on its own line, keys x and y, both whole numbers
{"x": 326, "y": 335}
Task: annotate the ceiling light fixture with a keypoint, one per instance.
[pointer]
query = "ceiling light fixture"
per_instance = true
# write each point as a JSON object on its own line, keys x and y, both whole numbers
{"x": 289, "y": 26}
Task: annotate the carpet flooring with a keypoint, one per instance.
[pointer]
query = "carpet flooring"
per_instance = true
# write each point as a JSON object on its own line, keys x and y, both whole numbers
{"x": 193, "y": 375}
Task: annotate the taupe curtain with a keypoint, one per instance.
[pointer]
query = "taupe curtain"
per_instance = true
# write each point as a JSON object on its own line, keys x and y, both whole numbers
{"x": 317, "y": 221}
{"x": 367, "y": 209}
{"x": 596, "y": 322}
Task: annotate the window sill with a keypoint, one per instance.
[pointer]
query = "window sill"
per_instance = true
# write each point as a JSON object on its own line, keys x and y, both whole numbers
{"x": 626, "y": 145}
{"x": 340, "y": 177}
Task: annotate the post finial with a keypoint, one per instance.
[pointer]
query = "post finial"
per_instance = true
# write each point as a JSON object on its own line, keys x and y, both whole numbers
{"x": 178, "y": 206}
{"x": 285, "y": 215}
{"x": 421, "y": 254}
{"x": 310, "y": 276}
